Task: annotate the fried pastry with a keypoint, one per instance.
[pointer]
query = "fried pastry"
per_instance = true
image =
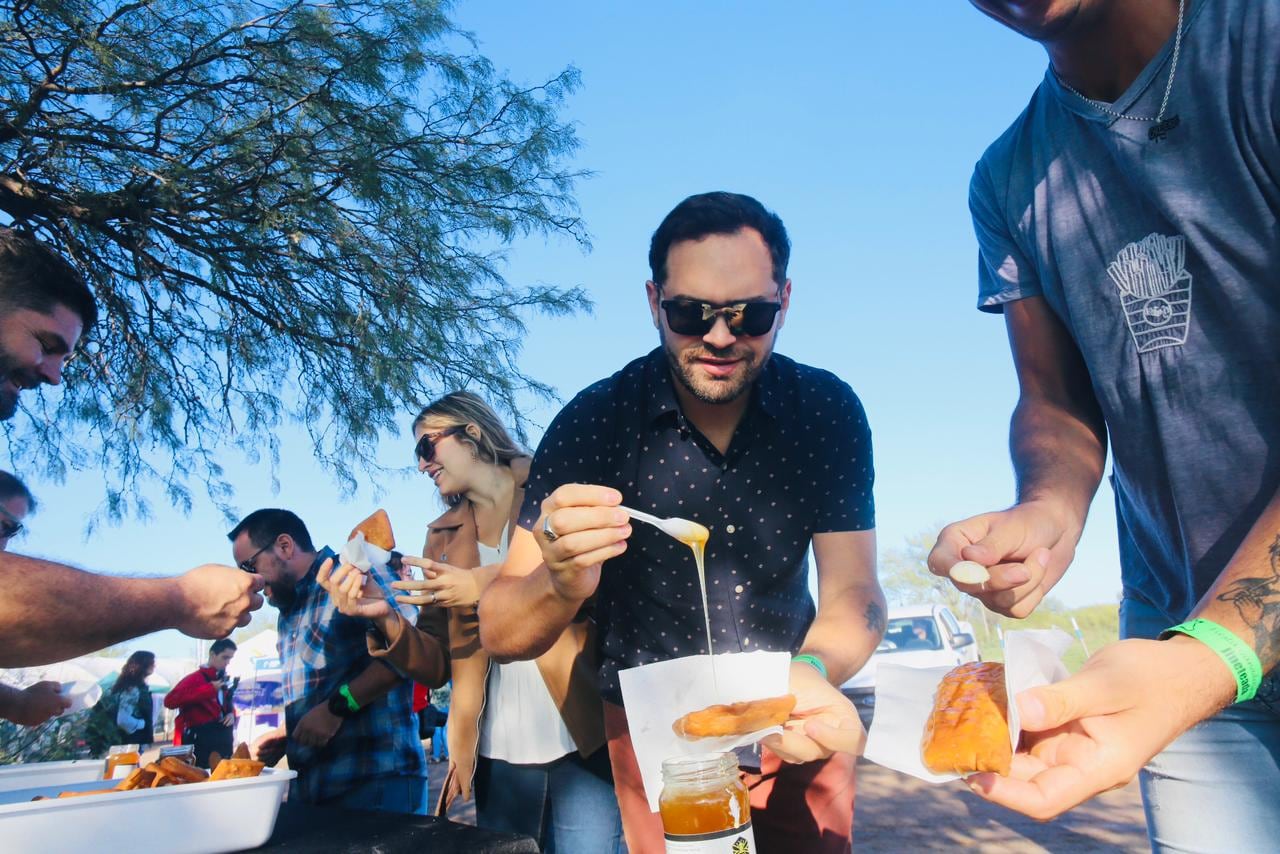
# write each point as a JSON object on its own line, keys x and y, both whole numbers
{"x": 235, "y": 769}
{"x": 968, "y": 730}
{"x": 377, "y": 530}
{"x": 139, "y": 778}
{"x": 735, "y": 718}
{"x": 181, "y": 771}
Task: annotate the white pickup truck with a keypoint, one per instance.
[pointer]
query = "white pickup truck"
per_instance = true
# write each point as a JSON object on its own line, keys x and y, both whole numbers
{"x": 917, "y": 636}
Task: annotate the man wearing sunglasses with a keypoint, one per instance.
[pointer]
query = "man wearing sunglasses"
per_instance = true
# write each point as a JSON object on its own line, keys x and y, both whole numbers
{"x": 349, "y": 729}
{"x": 45, "y": 306}
{"x": 772, "y": 456}
{"x": 37, "y": 703}
{"x": 16, "y": 502}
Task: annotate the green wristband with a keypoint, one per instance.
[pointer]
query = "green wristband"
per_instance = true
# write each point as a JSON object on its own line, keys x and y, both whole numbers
{"x": 813, "y": 660}
{"x": 345, "y": 691}
{"x": 1237, "y": 654}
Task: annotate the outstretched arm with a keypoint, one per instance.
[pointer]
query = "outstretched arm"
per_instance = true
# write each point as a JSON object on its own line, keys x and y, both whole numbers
{"x": 1094, "y": 731}
{"x": 1058, "y": 442}
{"x": 42, "y": 610}
{"x": 544, "y": 582}
{"x": 848, "y": 627}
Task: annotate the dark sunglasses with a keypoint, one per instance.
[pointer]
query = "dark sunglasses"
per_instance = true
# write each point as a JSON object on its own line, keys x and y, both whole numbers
{"x": 250, "y": 564}
{"x": 686, "y": 317}
{"x": 426, "y": 447}
{"x": 9, "y": 526}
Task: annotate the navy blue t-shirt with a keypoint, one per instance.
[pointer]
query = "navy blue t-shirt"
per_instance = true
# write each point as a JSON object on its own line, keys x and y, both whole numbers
{"x": 799, "y": 464}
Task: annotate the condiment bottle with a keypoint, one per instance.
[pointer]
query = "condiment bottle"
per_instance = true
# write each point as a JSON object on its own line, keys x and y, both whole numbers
{"x": 705, "y": 806}
{"x": 122, "y": 760}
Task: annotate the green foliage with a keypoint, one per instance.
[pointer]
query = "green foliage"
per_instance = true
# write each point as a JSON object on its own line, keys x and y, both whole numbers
{"x": 905, "y": 577}
{"x": 288, "y": 211}
{"x": 59, "y": 738}
{"x": 1099, "y": 624}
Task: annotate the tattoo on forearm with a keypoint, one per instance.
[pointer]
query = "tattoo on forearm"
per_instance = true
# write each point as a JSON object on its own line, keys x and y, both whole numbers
{"x": 875, "y": 618}
{"x": 1258, "y": 602}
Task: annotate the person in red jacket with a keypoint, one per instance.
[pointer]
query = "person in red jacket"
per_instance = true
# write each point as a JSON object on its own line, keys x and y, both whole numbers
{"x": 206, "y": 716}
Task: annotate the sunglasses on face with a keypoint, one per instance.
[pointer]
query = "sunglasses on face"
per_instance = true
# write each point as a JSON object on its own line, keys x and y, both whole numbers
{"x": 9, "y": 526}
{"x": 426, "y": 447}
{"x": 250, "y": 564}
{"x": 750, "y": 319}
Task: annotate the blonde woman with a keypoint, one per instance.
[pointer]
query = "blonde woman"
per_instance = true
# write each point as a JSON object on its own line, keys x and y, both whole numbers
{"x": 528, "y": 736}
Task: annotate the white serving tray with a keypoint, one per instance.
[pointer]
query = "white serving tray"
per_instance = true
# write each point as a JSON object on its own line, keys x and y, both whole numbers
{"x": 197, "y": 818}
{"x": 50, "y": 774}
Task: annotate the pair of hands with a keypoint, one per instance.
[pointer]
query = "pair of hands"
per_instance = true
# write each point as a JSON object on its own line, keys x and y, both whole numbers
{"x": 315, "y": 729}
{"x": 213, "y": 600}
{"x": 1095, "y": 730}
{"x": 357, "y": 594}
{"x": 590, "y": 529}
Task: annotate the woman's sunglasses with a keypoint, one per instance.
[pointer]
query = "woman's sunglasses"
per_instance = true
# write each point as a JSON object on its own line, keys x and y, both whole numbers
{"x": 426, "y": 447}
{"x": 697, "y": 318}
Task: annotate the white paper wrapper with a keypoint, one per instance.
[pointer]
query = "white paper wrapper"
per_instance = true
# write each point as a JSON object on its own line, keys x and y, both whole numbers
{"x": 78, "y": 685}
{"x": 904, "y": 698}
{"x": 367, "y": 557}
{"x": 655, "y": 695}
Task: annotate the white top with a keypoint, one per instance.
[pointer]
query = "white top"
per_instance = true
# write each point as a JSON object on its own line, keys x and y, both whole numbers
{"x": 521, "y": 723}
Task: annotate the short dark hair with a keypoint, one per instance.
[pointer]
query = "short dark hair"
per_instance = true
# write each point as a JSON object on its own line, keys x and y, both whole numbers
{"x": 718, "y": 213}
{"x": 11, "y": 487}
{"x": 263, "y": 526}
{"x": 221, "y": 645}
{"x": 33, "y": 276}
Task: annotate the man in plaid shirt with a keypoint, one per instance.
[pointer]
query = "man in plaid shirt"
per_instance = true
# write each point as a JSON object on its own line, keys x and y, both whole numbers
{"x": 349, "y": 732}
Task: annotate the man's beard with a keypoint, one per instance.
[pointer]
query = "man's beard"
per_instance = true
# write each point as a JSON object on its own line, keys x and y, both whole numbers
{"x": 8, "y": 397}
{"x": 282, "y": 595}
{"x": 708, "y": 389}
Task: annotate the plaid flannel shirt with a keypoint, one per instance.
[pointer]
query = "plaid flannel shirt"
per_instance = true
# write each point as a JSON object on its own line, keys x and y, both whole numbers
{"x": 320, "y": 649}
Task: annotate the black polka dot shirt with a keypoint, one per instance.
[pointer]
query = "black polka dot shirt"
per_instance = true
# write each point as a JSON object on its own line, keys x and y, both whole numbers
{"x": 799, "y": 464}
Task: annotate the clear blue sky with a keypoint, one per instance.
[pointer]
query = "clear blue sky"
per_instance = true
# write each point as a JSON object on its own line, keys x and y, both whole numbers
{"x": 858, "y": 122}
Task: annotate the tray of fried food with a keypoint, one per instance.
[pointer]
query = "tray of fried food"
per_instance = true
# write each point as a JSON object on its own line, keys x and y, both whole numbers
{"x": 172, "y": 771}
{"x": 237, "y": 767}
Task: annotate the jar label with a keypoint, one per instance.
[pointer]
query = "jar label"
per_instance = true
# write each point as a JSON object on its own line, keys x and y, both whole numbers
{"x": 738, "y": 840}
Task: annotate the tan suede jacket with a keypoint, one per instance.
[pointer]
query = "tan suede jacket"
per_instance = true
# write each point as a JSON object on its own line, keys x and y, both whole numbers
{"x": 568, "y": 668}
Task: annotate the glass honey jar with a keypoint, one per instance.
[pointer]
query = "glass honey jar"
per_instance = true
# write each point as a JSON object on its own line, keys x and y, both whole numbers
{"x": 705, "y": 806}
{"x": 122, "y": 760}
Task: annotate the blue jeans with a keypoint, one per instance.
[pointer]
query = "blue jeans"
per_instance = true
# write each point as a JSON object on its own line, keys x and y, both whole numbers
{"x": 386, "y": 794}
{"x": 568, "y": 805}
{"x": 439, "y": 744}
{"x": 1217, "y": 786}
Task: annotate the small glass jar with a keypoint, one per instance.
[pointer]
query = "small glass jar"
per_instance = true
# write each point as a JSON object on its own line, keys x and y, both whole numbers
{"x": 122, "y": 760}
{"x": 705, "y": 806}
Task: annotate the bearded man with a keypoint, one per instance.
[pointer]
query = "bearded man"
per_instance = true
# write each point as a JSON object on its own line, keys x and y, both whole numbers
{"x": 772, "y": 456}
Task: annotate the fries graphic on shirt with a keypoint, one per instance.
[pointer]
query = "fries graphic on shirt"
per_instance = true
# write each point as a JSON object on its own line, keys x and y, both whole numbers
{"x": 1155, "y": 290}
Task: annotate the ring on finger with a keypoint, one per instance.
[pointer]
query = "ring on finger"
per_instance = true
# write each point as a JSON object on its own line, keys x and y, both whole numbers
{"x": 433, "y": 597}
{"x": 547, "y": 532}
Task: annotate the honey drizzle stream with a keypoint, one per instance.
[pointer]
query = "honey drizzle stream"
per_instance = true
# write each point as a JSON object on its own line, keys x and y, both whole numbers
{"x": 699, "y": 547}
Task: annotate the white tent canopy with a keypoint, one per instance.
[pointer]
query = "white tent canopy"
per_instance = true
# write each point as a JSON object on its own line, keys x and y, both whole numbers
{"x": 253, "y": 652}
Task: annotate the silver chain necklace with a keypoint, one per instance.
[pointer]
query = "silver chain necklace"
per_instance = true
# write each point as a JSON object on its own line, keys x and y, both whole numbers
{"x": 1162, "y": 126}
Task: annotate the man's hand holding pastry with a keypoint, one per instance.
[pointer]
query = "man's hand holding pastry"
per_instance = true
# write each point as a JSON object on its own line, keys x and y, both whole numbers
{"x": 1095, "y": 730}
{"x": 824, "y": 720}
{"x": 354, "y": 592}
